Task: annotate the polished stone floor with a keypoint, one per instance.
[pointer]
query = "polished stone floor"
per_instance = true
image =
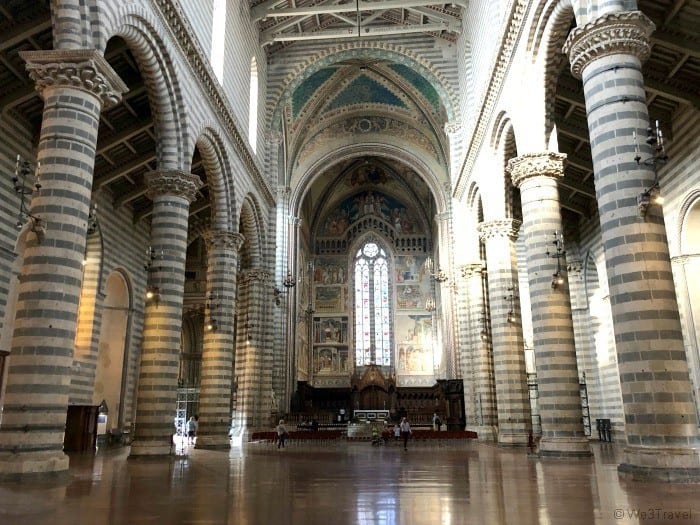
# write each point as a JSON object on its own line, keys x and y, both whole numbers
{"x": 351, "y": 483}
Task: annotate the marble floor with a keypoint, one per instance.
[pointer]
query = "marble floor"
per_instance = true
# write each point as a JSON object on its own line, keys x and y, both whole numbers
{"x": 350, "y": 483}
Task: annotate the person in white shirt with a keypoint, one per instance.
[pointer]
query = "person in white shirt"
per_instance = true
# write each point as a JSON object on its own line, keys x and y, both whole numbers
{"x": 405, "y": 432}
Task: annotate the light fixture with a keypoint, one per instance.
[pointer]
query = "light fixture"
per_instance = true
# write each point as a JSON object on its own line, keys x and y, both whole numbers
{"x": 558, "y": 253}
{"x": 655, "y": 139}
{"x": 151, "y": 256}
{"x": 211, "y": 306}
{"x": 440, "y": 276}
{"x": 92, "y": 222}
{"x": 153, "y": 294}
{"x": 23, "y": 168}
{"x": 511, "y": 297}
{"x": 484, "y": 334}
{"x": 289, "y": 281}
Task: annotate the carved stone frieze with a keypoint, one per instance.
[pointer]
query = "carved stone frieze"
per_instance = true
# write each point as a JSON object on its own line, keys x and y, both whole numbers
{"x": 529, "y": 165}
{"x": 84, "y": 69}
{"x": 224, "y": 239}
{"x": 453, "y": 127}
{"x": 499, "y": 228}
{"x": 172, "y": 182}
{"x": 611, "y": 34}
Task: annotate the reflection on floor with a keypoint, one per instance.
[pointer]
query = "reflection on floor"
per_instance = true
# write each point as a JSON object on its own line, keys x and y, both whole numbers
{"x": 349, "y": 483}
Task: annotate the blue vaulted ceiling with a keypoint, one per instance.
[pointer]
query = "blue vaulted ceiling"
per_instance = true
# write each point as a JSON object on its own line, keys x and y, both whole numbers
{"x": 364, "y": 90}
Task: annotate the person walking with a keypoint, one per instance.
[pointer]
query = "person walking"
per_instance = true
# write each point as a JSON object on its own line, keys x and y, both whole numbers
{"x": 405, "y": 432}
{"x": 281, "y": 434}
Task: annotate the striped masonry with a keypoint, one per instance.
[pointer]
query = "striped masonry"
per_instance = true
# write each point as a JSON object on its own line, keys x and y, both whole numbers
{"x": 559, "y": 400}
{"x": 656, "y": 390}
{"x": 512, "y": 398}
{"x": 217, "y": 353}
{"x": 172, "y": 192}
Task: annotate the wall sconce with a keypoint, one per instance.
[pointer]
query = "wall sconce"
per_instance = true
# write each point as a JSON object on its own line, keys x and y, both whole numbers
{"x": 484, "y": 334}
{"x": 440, "y": 276}
{"x": 92, "y": 222}
{"x": 559, "y": 253}
{"x": 430, "y": 304}
{"x": 151, "y": 256}
{"x": 153, "y": 294}
{"x": 23, "y": 168}
{"x": 289, "y": 281}
{"x": 655, "y": 140}
{"x": 309, "y": 310}
{"x": 510, "y": 317}
{"x": 211, "y": 306}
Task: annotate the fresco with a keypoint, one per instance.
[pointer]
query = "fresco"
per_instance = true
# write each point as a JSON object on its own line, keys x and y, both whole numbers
{"x": 330, "y": 271}
{"x": 369, "y": 203}
{"x": 409, "y": 297}
{"x": 331, "y": 330}
{"x": 414, "y": 352}
{"x": 331, "y": 360}
{"x": 329, "y": 298}
{"x": 409, "y": 269}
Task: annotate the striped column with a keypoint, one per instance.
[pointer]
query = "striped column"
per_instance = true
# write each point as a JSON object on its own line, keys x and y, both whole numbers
{"x": 448, "y": 363}
{"x": 660, "y": 420}
{"x": 217, "y": 353}
{"x": 512, "y": 398}
{"x": 553, "y": 329}
{"x": 75, "y": 86}
{"x": 485, "y": 417}
{"x": 172, "y": 192}
{"x": 253, "y": 367}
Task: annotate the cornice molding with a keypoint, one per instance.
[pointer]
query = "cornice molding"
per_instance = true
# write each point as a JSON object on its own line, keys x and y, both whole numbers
{"x": 531, "y": 165}
{"x": 83, "y": 69}
{"x": 175, "y": 20}
{"x": 517, "y": 14}
{"x": 611, "y": 34}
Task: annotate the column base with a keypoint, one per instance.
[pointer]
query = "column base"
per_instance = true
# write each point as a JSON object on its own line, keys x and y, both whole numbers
{"x": 673, "y": 465}
{"x": 146, "y": 449}
{"x": 213, "y": 442}
{"x": 484, "y": 432}
{"x": 15, "y": 466}
{"x": 513, "y": 439}
{"x": 578, "y": 447}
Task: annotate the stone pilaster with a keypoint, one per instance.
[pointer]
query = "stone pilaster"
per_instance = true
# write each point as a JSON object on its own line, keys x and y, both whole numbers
{"x": 660, "y": 418}
{"x": 217, "y": 354}
{"x": 553, "y": 330}
{"x": 448, "y": 363}
{"x": 253, "y": 364}
{"x": 512, "y": 398}
{"x": 75, "y": 86}
{"x": 484, "y": 420}
{"x": 172, "y": 192}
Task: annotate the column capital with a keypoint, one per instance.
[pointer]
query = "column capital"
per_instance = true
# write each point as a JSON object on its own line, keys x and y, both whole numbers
{"x": 499, "y": 228}
{"x": 274, "y": 137}
{"x": 223, "y": 239}
{"x": 176, "y": 183}
{"x": 444, "y": 216}
{"x": 529, "y": 165}
{"x": 251, "y": 275}
{"x": 84, "y": 69}
{"x": 470, "y": 269}
{"x": 626, "y": 32}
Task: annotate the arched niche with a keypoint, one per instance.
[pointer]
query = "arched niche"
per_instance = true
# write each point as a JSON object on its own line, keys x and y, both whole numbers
{"x": 112, "y": 353}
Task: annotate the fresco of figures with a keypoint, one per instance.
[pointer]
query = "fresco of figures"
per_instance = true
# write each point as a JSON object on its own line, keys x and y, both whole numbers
{"x": 331, "y": 330}
{"x": 369, "y": 203}
{"x": 414, "y": 351}
{"x": 331, "y": 360}
{"x": 330, "y": 271}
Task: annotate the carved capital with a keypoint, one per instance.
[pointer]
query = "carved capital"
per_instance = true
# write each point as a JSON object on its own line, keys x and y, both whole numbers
{"x": 174, "y": 183}
{"x": 500, "y": 228}
{"x": 611, "y": 34}
{"x": 471, "y": 269}
{"x": 254, "y": 275}
{"x": 444, "y": 216}
{"x": 223, "y": 239}
{"x": 83, "y": 69}
{"x": 548, "y": 164}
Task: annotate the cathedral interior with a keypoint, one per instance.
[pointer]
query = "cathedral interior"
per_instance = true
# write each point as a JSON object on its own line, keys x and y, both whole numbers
{"x": 333, "y": 210}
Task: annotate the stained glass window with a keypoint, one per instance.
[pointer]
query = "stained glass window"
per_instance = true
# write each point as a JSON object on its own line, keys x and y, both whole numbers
{"x": 372, "y": 312}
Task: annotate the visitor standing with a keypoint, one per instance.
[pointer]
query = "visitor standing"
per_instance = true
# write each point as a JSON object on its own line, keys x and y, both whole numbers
{"x": 281, "y": 434}
{"x": 405, "y": 432}
{"x": 397, "y": 432}
{"x": 191, "y": 430}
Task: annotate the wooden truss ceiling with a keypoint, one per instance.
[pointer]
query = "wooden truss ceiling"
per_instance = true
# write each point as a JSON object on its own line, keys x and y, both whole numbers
{"x": 283, "y": 22}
